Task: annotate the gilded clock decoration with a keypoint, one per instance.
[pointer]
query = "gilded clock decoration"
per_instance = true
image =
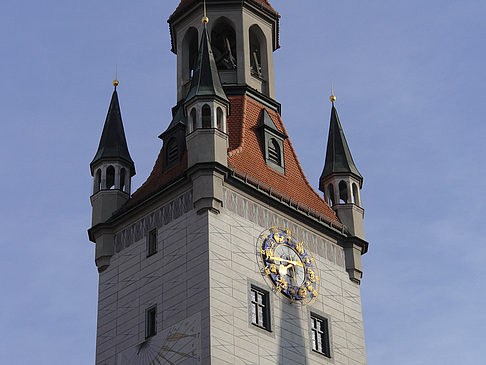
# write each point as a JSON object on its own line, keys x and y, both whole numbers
{"x": 288, "y": 265}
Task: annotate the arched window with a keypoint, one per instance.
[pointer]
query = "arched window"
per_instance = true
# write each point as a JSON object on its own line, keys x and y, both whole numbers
{"x": 223, "y": 43}
{"x": 110, "y": 177}
{"x": 193, "y": 120}
{"x": 330, "y": 194}
{"x": 123, "y": 173}
{"x": 189, "y": 53}
{"x": 206, "y": 116}
{"x": 97, "y": 184}
{"x": 258, "y": 46}
{"x": 172, "y": 152}
{"x": 274, "y": 154}
{"x": 356, "y": 195}
{"x": 343, "y": 192}
{"x": 220, "y": 119}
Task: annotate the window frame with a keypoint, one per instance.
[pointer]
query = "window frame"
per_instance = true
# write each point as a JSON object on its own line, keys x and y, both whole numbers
{"x": 326, "y": 345}
{"x": 151, "y": 318}
{"x": 266, "y": 322}
{"x": 152, "y": 246}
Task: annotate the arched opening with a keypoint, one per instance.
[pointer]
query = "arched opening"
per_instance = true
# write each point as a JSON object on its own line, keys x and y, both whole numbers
{"x": 172, "y": 152}
{"x": 258, "y": 55}
{"x": 343, "y": 192}
{"x": 274, "y": 154}
{"x": 193, "y": 120}
{"x": 97, "y": 183}
{"x": 123, "y": 186}
{"x": 189, "y": 53}
{"x": 330, "y": 194}
{"x": 206, "y": 116}
{"x": 223, "y": 43}
{"x": 110, "y": 177}
{"x": 219, "y": 117}
{"x": 356, "y": 195}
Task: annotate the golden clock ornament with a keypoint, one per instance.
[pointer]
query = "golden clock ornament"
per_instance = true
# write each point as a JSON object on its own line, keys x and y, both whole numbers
{"x": 288, "y": 265}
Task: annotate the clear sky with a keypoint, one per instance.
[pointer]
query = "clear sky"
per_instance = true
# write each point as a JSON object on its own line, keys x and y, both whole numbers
{"x": 409, "y": 77}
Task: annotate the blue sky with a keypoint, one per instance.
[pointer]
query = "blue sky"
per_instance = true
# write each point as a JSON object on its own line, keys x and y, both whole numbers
{"x": 409, "y": 79}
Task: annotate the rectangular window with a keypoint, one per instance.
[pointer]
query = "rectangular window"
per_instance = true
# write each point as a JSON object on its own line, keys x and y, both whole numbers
{"x": 151, "y": 322}
{"x": 152, "y": 242}
{"x": 260, "y": 309}
{"x": 320, "y": 335}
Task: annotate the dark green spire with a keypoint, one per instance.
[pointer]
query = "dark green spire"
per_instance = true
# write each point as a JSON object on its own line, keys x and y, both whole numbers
{"x": 338, "y": 155}
{"x": 205, "y": 81}
{"x": 113, "y": 144}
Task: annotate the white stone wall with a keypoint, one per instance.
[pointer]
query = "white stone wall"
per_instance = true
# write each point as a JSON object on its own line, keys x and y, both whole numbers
{"x": 234, "y": 266}
{"x": 175, "y": 279}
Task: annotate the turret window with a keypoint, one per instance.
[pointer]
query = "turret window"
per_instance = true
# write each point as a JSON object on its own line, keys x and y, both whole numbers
{"x": 206, "y": 116}
{"x": 97, "y": 184}
{"x": 110, "y": 177}
{"x": 343, "y": 192}
{"x": 220, "y": 119}
{"x": 255, "y": 53}
{"x": 122, "y": 179}
{"x": 330, "y": 194}
{"x": 193, "y": 120}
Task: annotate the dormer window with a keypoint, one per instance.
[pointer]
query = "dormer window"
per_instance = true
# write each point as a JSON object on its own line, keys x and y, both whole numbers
{"x": 273, "y": 143}
{"x": 172, "y": 153}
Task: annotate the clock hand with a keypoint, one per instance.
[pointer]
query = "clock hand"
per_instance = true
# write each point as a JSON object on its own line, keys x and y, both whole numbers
{"x": 289, "y": 261}
{"x": 293, "y": 271}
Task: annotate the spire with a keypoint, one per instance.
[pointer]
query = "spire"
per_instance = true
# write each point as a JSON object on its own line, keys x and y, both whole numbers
{"x": 338, "y": 155}
{"x": 205, "y": 81}
{"x": 113, "y": 144}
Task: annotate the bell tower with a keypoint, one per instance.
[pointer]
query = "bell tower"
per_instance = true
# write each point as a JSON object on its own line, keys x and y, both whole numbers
{"x": 244, "y": 35}
{"x": 226, "y": 254}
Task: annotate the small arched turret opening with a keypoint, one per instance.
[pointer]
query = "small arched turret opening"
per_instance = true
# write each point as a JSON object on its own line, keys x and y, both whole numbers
{"x": 343, "y": 192}
{"x": 219, "y": 119}
{"x": 356, "y": 195}
{"x": 206, "y": 116}
{"x": 110, "y": 177}
{"x": 189, "y": 53}
{"x": 258, "y": 53}
{"x": 97, "y": 181}
{"x": 330, "y": 194}
{"x": 193, "y": 125}
{"x": 223, "y": 43}
{"x": 274, "y": 153}
{"x": 123, "y": 183}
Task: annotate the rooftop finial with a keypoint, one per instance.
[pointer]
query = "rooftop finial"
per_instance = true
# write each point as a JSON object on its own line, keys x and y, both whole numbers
{"x": 115, "y": 81}
{"x": 205, "y": 19}
{"x": 332, "y": 98}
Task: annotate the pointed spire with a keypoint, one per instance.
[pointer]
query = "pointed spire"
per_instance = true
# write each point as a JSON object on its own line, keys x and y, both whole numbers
{"x": 338, "y": 155}
{"x": 205, "y": 81}
{"x": 113, "y": 144}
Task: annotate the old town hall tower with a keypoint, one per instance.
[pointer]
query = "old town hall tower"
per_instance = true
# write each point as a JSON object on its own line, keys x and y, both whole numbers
{"x": 226, "y": 254}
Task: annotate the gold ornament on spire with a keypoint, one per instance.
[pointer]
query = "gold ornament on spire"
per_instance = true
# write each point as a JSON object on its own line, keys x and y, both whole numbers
{"x": 205, "y": 19}
{"x": 332, "y": 98}
{"x": 115, "y": 81}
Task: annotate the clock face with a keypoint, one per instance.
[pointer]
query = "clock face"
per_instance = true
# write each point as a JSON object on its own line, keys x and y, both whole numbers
{"x": 289, "y": 265}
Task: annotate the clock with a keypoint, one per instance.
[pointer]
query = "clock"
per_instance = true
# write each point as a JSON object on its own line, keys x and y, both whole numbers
{"x": 288, "y": 265}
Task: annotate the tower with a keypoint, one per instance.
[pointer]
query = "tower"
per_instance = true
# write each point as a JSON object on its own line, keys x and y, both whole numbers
{"x": 226, "y": 254}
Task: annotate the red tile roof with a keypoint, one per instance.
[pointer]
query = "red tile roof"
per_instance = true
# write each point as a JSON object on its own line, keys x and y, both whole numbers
{"x": 246, "y": 157}
{"x": 245, "y": 153}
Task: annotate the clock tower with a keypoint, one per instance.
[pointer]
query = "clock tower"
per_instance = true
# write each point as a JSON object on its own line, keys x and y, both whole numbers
{"x": 226, "y": 254}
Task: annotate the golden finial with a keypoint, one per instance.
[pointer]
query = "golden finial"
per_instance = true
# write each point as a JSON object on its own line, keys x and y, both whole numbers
{"x": 205, "y": 19}
{"x": 115, "y": 81}
{"x": 332, "y": 98}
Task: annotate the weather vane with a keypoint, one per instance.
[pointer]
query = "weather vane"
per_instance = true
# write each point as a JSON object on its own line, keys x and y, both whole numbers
{"x": 205, "y": 19}
{"x": 332, "y": 98}
{"x": 115, "y": 82}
